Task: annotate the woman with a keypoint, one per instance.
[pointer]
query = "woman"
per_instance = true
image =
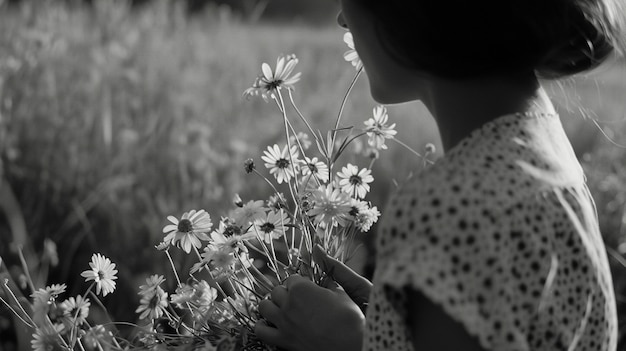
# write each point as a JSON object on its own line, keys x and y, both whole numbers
{"x": 496, "y": 246}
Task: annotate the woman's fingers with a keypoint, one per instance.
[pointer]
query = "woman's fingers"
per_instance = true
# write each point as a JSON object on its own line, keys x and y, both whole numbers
{"x": 279, "y": 296}
{"x": 294, "y": 280}
{"x": 354, "y": 284}
{"x": 270, "y": 312}
{"x": 269, "y": 335}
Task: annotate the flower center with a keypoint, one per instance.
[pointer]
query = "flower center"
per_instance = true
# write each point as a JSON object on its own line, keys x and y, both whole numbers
{"x": 355, "y": 180}
{"x": 100, "y": 275}
{"x": 282, "y": 163}
{"x": 275, "y": 84}
{"x": 354, "y": 211}
{"x": 313, "y": 168}
{"x": 232, "y": 230}
{"x": 185, "y": 226}
{"x": 268, "y": 227}
{"x": 154, "y": 301}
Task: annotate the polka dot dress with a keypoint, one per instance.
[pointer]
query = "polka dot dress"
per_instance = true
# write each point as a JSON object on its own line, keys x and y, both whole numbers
{"x": 502, "y": 234}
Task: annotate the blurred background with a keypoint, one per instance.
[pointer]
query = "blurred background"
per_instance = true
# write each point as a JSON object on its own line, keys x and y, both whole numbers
{"x": 115, "y": 114}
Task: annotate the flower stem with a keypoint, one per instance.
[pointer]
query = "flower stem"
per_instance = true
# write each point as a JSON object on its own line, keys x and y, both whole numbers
{"x": 341, "y": 108}
{"x": 169, "y": 257}
{"x": 20, "y": 252}
{"x": 302, "y": 116}
{"x": 407, "y": 147}
{"x": 17, "y": 301}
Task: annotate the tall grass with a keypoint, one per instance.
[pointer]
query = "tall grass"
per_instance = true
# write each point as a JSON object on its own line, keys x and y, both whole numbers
{"x": 111, "y": 120}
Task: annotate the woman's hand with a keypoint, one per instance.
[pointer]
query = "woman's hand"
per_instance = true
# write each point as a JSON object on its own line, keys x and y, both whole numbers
{"x": 357, "y": 287}
{"x": 305, "y": 316}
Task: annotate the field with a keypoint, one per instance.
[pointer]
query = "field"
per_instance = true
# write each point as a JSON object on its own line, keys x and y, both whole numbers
{"x": 110, "y": 120}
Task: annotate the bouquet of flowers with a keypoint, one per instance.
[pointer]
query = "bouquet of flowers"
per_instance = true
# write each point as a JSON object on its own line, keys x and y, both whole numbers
{"x": 241, "y": 256}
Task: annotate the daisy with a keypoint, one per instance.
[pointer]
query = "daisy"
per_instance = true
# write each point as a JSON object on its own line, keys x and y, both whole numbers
{"x": 366, "y": 218}
{"x": 234, "y": 242}
{"x": 47, "y": 339}
{"x": 188, "y": 232}
{"x": 184, "y": 294}
{"x": 331, "y": 206}
{"x": 48, "y": 294}
{"x": 75, "y": 310}
{"x": 96, "y": 336}
{"x": 279, "y": 162}
{"x": 357, "y": 206}
{"x": 313, "y": 166}
{"x": 44, "y": 306}
{"x": 152, "y": 304}
{"x": 273, "y": 226}
{"x": 355, "y": 182}
{"x": 152, "y": 283}
{"x": 249, "y": 166}
{"x": 220, "y": 260}
{"x": 277, "y": 201}
{"x": 249, "y": 212}
{"x": 271, "y": 81}
{"x": 377, "y": 128}
{"x": 237, "y": 201}
{"x": 229, "y": 228}
{"x": 201, "y": 295}
{"x": 351, "y": 55}
{"x": 102, "y": 272}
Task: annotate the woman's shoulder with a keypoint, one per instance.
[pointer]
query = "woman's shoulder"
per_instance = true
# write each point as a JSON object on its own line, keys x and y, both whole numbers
{"x": 499, "y": 164}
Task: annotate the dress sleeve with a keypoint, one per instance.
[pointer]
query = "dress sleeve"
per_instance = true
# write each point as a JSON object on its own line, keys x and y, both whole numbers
{"x": 506, "y": 274}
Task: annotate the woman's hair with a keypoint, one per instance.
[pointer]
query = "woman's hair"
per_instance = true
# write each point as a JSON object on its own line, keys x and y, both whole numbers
{"x": 465, "y": 38}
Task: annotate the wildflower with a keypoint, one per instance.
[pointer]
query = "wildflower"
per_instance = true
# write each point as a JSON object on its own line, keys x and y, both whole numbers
{"x": 366, "y": 218}
{"x": 280, "y": 162}
{"x": 44, "y": 306}
{"x": 273, "y": 226}
{"x": 47, "y": 339}
{"x": 371, "y": 153}
{"x": 307, "y": 201}
{"x": 249, "y": 166}
{"x": 102, "y": 272}
{"x": 220, "y": 260}
{"x": 377, "y": 128}
{"x": 313, "y": 166}
{"x": 331, "y": 206}
{"x": 357, "y": 206}
{"x": 249, "y": 212}
{"x": 152, "y": 283}
{"x": 277, "y": 201}
{"x": 48, "y": 294}
{"x": 200, "y": 295}
{"x": 162, "y": 246}
{"x": 430, "y": 148}
{"x": 230, "y": 228}
{"x": 188, "y": 232}
{"x": 96, "y": 336}
{"x": 268, "y": 83}
{"x": 355, "y": 182}
{"x": 351, "y": 55}
{"x": 233, "y": 242}
{"x": 152, "y": 304}
{"x": 237, "y": 201}
{"x": 184, "y": 294}
{"x": 302, "y": 138}
{"x": 75, "y": 310}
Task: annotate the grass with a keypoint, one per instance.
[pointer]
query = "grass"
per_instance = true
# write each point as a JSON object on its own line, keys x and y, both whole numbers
{"x": 110, "y": 120}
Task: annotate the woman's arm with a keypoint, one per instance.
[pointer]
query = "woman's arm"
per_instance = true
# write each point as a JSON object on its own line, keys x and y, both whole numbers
{"x": 433, "y": 329}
